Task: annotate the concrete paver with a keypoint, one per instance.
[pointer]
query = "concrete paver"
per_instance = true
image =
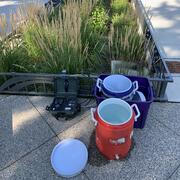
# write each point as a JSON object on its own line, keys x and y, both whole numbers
{"x": 58, "y": 125}
{"x": 22, "y": 129}
{"x": 165, "y": 18}
{"x": 173, "y": 89}
{"x": 170, "y": 113}
{"x": 82, "y": 131}
{"x": 156, "y": 153}
{"x": 35, "y": 166}
{"x": 176, "y": 174}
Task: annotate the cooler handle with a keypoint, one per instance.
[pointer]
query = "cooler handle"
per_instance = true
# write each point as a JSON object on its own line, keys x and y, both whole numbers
{"x": 136, "y": 86}
{"x": 134, "y": 106}
{"x": 93, "y": 110}
{"x": 99, "y": 83}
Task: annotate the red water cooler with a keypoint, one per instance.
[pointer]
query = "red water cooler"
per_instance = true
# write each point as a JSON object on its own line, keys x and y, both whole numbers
{"x": 114, "y": 129}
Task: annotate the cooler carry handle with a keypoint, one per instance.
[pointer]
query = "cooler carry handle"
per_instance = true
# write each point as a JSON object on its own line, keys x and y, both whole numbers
{"x": 99, "y": 83}
{"x": 136, "y": 86}
{"x": 134, "y": 107}
{"x": 93, "y": 110}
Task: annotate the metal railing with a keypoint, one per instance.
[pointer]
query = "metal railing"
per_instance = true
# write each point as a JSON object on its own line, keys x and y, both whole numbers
{"x": 41, "y": 84}
{"x": 160, "y": 75}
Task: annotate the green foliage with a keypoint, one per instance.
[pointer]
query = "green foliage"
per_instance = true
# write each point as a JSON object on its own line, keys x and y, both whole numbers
{"x": 64, "y": 43}
{"x": 13, "y": 56}
{"x": 119, "y": 6}
{"x": 125, "y": 43}
{"x": 128, "y": 45}
{"x": 75, "y": 37}
{"x": 99, "y": 19}
{"x": 123, "y": 20}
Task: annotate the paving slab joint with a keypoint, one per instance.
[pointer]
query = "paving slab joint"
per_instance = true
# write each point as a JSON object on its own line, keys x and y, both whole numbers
{"x": 86, "y": 175}
{"x": 26, "y": 154}
{"x": 173, "y": 172}
{"x": 81, "y": 119}
{"x": 163, "y": 124}
{"x": 44, "y": 119}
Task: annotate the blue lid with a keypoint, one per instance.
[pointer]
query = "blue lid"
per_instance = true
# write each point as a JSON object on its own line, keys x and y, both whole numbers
{"x": 117, "y": 83}
{"x": 69, "y": 157}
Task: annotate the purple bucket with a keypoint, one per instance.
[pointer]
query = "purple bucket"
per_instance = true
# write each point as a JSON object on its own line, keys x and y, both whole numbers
{"x": 144, "y": 87}
{"x": 118, "y": 86}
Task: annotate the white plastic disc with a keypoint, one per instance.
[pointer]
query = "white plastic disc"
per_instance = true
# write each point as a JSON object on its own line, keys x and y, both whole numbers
{"x": 69, "y": 157}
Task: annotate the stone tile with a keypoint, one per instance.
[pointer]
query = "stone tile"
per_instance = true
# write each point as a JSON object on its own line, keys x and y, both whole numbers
{"x": 155, "y": 154}
{"x": 108, "y": 170}
{"x": 82, "y": 131}
{"x": 176, "y": 174}
{"x": 22, "y": 129}
{"x": 168, "y": 114}
{"x": 173, "y": 90}
{"x": 35, "y": 165}
{"x": 164, "y": 16}
{"x": 58, "y": 125}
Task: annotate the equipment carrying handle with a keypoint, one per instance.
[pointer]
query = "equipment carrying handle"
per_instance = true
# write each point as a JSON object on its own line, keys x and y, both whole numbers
{"x": 99, "y": 84}
{"x": 93, "y": 110}
{"x": 134, "y": 107}
{"x": 136, "y": 86}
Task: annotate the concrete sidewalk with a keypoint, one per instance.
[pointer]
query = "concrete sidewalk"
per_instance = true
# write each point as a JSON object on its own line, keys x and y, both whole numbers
{"x": 28, "y": 135}
{"x": 165, "y": 19}
{"x": 11, "y": 6}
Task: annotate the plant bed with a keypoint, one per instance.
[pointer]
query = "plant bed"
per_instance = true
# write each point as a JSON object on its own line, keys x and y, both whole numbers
{"x": 81, "y": 37}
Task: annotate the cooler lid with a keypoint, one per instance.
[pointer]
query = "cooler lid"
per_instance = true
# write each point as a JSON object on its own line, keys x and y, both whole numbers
{"x": 117, "y": 83}
{"x": 69, "y": 157}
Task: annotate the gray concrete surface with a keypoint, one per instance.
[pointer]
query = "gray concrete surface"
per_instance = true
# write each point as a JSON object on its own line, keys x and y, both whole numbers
{"x": 176, "y": 174}
{"x": 173, "y": 89}
{"x": 28, "y": 137}
{"x": 40, "y": 104}
{"x": 22, "y": 129}
{"x": 11, "y": 6}
{"x": 165, "y": 18}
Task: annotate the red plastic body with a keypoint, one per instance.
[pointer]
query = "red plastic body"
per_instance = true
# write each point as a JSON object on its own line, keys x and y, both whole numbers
{"x": 106, "y": 133}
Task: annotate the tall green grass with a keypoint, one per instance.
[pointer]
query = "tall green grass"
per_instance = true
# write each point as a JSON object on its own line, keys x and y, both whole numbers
{"x": 13, "y": 54}
{"x": 119, "y": 6}
{"x": 66, "y": 42}
{"x": 77, "y": 37}
{"x": 127, "y": 45}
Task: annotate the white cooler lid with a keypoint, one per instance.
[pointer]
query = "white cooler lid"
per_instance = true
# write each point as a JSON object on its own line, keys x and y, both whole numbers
{"x": 69, "y": 157}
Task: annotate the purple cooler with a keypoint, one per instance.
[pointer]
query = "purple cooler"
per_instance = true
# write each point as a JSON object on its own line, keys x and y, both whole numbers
{"x": 144, "y": 87}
